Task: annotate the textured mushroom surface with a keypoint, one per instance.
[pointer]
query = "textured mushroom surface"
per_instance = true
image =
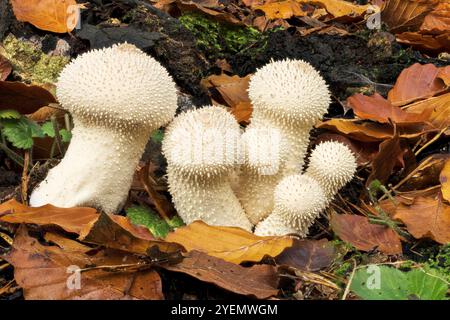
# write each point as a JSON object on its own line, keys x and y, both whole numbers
{"x": 117, "y": 96}
{"x": 202, "y": 148}
{"x": 288, "y": 97}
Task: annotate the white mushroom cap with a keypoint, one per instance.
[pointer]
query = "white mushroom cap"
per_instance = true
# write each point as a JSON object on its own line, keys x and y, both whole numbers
{"x": 299, "y": 199}
{"x": 203, "y": 142}
{"x": 118, "y": 86}
{"x": 333, "y": 165}
{"x": 274, "y": 225}
{"x": 291, "y": 90}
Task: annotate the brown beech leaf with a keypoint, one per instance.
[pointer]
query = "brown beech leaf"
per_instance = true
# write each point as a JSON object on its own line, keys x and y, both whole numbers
{"x": 359, "y": 232}
{"x": 258, "y": 281}
{"x": 379, "y": 109}
{"x": 242, "y": 111}
{"x": 5, "y": 68}
{"x": 69, "y": 219}
{"x": 426, "y": 42}
{"x": 415, "y": 83}
{"x": 405, "y": 15}
{"x": 440, "y": 110}
{"x": 444, "y": 74}
{"x": 281, "y": 10}
{"x": 117, "y": 232}
{"x": 308, "y": 255}
{"x": 390, "y": 153}
{"x": 426, "y": 218}
{"x": 44, "y": 273}
{"x": 444, "y": 178}
{"x": 228, "y": 243}
{"x": 438, "y": 20}
{"x": 340, "y": 8}
{"x": 58, "y": 16}
{"x": 427, "y": 172}
{"x": 24, "y": 98}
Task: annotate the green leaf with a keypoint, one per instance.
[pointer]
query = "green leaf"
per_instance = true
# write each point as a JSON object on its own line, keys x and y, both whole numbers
{"x": 386, "y": 283}
{"x": 9, "y": 114}
{"x": 49, "y": 130}
{"x": 21, "y": 132}
{"x": 144, "y": 216}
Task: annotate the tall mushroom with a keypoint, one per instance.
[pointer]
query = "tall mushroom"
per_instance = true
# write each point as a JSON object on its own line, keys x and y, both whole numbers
{"x": 117, "y": 96}
{"x": 288, "y": 98}
{"x": 202, "y": 148}
{"x": 300, "y": 198}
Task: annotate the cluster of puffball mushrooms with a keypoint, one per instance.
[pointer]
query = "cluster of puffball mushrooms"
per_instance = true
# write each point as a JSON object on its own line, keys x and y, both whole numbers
{"x": 217, "y": 172}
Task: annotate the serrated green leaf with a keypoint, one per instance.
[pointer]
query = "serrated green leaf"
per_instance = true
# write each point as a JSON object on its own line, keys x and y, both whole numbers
{"x": 48, "y": 129}
{"x": 386, "y": 283}
{"x": 65, "y": 135}
{"x": 9, "y": 114}
{"x": 144, "y": 216}
{"x": 176, "y": 222}
{"x": 21, "y": 132}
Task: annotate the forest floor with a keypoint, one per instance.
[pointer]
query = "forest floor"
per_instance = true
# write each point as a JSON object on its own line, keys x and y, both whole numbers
{"x": 390, "y": 105}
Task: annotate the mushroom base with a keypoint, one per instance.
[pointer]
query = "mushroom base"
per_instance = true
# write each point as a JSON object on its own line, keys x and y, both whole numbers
{"x": 96, "y": 171}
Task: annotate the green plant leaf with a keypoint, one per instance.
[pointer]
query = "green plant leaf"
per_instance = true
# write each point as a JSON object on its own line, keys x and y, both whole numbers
{"x": 386, "y": 283}
{"x": 65, "y": 135}
{"x": 144, "y": 216}
{"x": 20, "y": 132}
{"x": 49, "y": 130}
{"x": 9, "y": 114}
{"x": 157, "y": 136}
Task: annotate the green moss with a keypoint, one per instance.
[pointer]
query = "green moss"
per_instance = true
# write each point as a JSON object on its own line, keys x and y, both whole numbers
{"x": 30, "y": 63}
{"x": 218, "y": 39}
{"x": 441, "y": 261}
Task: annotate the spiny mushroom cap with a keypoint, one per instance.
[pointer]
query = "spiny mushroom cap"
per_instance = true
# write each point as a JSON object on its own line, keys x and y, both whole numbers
{"x": 291, "y": 90}
{"x": 299, "y": 199}
{"x": 120, "y": 86}
{"x": 203, "y": 143}
{"x": 333, "y": 165}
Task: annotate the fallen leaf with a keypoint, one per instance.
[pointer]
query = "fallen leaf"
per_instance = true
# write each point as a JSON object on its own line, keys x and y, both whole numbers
{"x": 426, "y": 42}
{"x": 242, "y": 112}
{"x": 379, "y": 109}
{"x": 340, "y": 8}
{"x": 415, "y": 83}
{"x": 359, "y": 232}
{"x": 258, "y": 281}
{"x": 69, "y": 219}
{"x": 281, "y": 10}
{"x": 5, "y": 68}
{"x": 117, "y": 232}
{"x": 444, "y": 74}
{"x": 427, "y": 172}
{"x": 59, "y": 16}
{"x": 24, "y": 98}
{"x": 426, "y": 218}
{"x": 405, "y": 15}
{"x": 65, "y": 243}
{"x": 32, "y": 262}
{"x": 438, "y": 20}
{"x": 444, "y": 178}
{"x": 308, "y": 255}
{"x": 390, "y": 153}
{"x": 228, "y": 243}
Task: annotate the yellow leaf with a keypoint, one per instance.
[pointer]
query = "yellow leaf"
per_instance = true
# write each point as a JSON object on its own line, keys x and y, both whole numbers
{"x": 228, "y": 243}
{"x": 445, "y": 180}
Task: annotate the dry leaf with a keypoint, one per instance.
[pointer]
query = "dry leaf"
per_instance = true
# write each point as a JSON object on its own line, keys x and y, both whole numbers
{"x": 117, "y": 232}
{"x": 438, "y": 20}
{"x": 59, "y": 16}
{"x": 281, "y": 10}
{"x": 308, "y": 255}
{"x": 377, "y": 108}
{"x": 427, "y": 173}
{"x": 69, "y": 219}
{"x": 228, "y": 243}
{"x": 444, "y": 178}
{"x": 426, "y": 218}
{"x": 359, "y": 232}
{"x": 5, "y": 68}
{"x": 242, "y": 111}
{"x": 32, "y": 262}
{"x": 24, "y": 98}
{"x": 340, "y": 8}
{"x": 426, "y": 42}
{"x": 415, "y": 83}
{"x": 444, "y": 74}
{"x": 258, "y": 281}
{"x": 405, "y": 15}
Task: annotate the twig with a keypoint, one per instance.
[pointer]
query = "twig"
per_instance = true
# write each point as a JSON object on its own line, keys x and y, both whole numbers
{"x": 436, "y": 137}
{"x": 57, "y": 135}
{"x": 347, "y": 288}
{"x": 24, "y": 185}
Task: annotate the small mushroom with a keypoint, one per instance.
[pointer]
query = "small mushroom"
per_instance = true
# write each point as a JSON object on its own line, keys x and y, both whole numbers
{"x": 202, "y": 148}
{"x": 117, "y": 96}
{"x": 288, "y": 98}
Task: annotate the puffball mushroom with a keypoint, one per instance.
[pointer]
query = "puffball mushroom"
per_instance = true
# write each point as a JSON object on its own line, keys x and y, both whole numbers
{"x": 299, "y": 199}
{"x": 288, "y": 97}
{"x": 117, "y": 96}
{"x": 202, "y": 151}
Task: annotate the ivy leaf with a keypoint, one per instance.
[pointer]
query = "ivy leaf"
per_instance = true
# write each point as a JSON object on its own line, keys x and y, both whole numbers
{"x": 9, "y": 114}
{"x": 386, "y": 283}
{"x": 49, "y": 130}
{"x": 21, "y": 132}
